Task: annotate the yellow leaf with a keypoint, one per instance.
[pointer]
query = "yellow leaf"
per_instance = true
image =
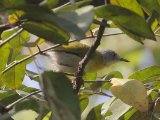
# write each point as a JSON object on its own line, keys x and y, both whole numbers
{"x": 131, "y": 92}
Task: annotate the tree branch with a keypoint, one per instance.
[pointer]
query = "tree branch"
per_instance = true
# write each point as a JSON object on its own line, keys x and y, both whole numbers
{"x": 10, "y": 106}
{"x": 10, "y": 37}
{"x": 82, "y": 64}
{"x": 96, "y": 81}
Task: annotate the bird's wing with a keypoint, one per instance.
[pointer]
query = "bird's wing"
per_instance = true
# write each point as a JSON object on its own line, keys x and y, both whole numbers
{"x": 75, "y": 48}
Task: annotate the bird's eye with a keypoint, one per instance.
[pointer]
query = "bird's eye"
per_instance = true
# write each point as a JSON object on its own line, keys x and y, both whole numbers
{"x": 113, "y": 54}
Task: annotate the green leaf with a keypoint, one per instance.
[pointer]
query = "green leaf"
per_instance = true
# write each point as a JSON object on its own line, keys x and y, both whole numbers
{"x": 146, "y": 75}
{"x": 62, "y": 100}
{"x": 128, "y": 114}
{"x": 28, "y": 104}
{"x": 84, "y": 100}
{"x": 13, "y": 78}
{"x": 32, "y": 8}
{"x": 69, "y": 8}
{"x": 117, "y": 108}
{"x": 130, "y": 22}
{"x": 90, "y": 76}
{"x": 115, "y": 74}
{"x": 150, "y": 5}
{"x": 10, "y": 3}
{"x": 129, "y": 4}
{"x": 16, "y": 42}
{"x": 154, "y": 95}
{"x": 51, "y": 3}
{"x": 5, "y": 51}
{"x": 94, "y": 114}
{"x": 47, "y": 16}
{"x": 7, "y": 97}
{"x": 47, "y": 31}
{"x": 82, "y": 17}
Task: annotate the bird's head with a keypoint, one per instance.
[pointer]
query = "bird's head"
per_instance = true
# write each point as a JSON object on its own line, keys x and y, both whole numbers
{"x": 110, "y": 57}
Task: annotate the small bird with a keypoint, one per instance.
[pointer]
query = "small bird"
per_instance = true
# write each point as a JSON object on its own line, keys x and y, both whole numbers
{"x": 66, "y": 58}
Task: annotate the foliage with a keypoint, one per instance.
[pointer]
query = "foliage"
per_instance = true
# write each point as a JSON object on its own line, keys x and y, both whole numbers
{"x": 28, "y": 24}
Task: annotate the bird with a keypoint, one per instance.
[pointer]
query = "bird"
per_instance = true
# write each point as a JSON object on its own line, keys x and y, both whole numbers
{"x": 66, "y": 58}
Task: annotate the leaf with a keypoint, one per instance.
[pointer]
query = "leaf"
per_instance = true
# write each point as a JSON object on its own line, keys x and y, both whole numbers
{"x": 94, "y": 114}
{"x": 51, "y": 3}
{"x": 28, "y": 104}
{"x": 62, "y": 100}
{"x": 106, "y": 106}
{"x": 5, "y": 51}
{"x": 150, "y": 5}
{"x": 84, "y": 100}
{"x": 129, "y": 4}
{"x": 130, "y": 22}
{"x": 16, "y": 42}
{"x": 82, "y": 17}
{"x": 131, "y": 92}
{"x": 147, "y": 74}
{"x": 47, "y": 16}
{"x": 9, "y": 3}
{"x": 47, "y": 117}
{"x": 8, "y": 97}
{"x": 115, "y": 74}
{"x": 32, "y": 8}
{"x": 13, "y": 78}
{"x": 90, "y": 76}
{"x": 128, "y": 114}
{"x": 25, "y": 115}
{"x": 47, "y": 31}
{"x": 117, "y": 109}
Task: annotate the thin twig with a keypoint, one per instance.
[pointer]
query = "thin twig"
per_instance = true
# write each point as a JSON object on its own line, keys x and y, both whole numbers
{"x": 82, "y": 64}
{"x": 10, "y": 106}
{"x": 11, "y": 37}
{"x": 62, "y": 6}
{"x": 96, "y": 81}
{"x": 91, "y": 92}
{"x": 8, "y": 26}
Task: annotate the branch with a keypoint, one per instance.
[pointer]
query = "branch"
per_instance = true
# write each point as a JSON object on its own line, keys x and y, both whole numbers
{"x": 10, "y": 37}
{"x": 6, "y": 26}
{"x": 82, "y": 64}
{"x": 96, "y": 81}
{"x": 10, "y": 106}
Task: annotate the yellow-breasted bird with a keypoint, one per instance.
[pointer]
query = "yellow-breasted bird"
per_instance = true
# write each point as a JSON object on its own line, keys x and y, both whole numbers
{"x": 67, "y": 57}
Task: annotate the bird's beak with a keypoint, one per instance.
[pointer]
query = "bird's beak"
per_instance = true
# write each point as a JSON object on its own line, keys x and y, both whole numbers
{"x": 125, "y": 60}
